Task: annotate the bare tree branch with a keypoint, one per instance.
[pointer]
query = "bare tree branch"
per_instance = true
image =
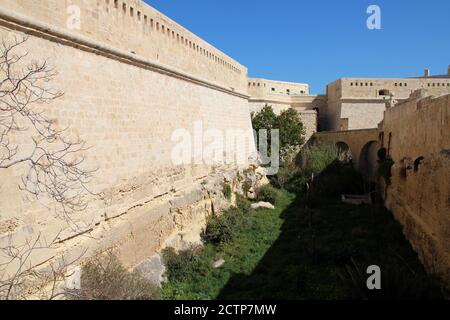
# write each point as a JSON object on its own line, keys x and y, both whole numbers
{"x": 55, "y": 162}
{"x": 18, "y": 272}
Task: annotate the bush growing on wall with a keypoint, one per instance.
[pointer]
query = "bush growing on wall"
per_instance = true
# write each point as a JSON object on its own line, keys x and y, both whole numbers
{"x": 221, "y": 229}
{"x": 226, "y": 189}
{"x": 104, "y": 278}
{"x": 268, "y": 193}
{"x": 243, "y": 204}
{"x": 180, "y": 264}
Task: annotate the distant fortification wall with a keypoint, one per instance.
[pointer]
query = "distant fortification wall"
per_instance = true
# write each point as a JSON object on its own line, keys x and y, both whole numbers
{"x": 417, "y": 135}
{"x": 359, "y": 103}
{"x": 130, "y": 80}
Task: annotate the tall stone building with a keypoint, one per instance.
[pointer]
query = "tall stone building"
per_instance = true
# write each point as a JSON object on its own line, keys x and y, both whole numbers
{"x": 359, "y": 103}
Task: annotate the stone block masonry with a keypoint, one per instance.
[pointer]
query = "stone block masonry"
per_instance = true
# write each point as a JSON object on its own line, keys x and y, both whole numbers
{"x": 137, "y": 29}
{"x": 130, "y": 78}
{"x": 417, "y": 134}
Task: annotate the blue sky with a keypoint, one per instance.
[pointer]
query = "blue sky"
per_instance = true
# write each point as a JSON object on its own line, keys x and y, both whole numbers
{"x": 319, "y": 41}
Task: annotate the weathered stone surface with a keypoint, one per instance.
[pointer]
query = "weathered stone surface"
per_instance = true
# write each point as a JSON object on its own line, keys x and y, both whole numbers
{"x": 265, "y": 205}
{"x": 140, "y": 198}
{"x": 152, "y": 269}
{"x": 419, "y": 193}
{"x": 73, "y": 280}
{"x": 218, "y": 263}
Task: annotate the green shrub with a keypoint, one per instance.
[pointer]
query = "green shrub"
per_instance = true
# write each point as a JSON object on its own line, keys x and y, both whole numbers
{"x": 289, "y": 124}
{"x": 315, "y": 159}
{"x": 221, "y": 229}
{"x": 292, "y": 132}
{"x": 286, "y": 171}
{"x": 226, "y": 189}
{"x": 179, "y": 265}
{"x": 297, "y": 183}
{"x": 242, "y": 203}
{"x": 104, "y": 278}
{"x": 268, "y": 193}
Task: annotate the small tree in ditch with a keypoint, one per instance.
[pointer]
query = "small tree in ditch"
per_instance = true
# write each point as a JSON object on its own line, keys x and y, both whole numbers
{"x": 289, "y": 124}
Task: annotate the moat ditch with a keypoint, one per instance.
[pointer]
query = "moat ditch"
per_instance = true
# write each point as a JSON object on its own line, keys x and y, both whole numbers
{"x": 299, "y": 251}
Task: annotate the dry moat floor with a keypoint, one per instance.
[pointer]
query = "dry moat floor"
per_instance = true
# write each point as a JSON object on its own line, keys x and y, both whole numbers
{"x": 297, "y": 252}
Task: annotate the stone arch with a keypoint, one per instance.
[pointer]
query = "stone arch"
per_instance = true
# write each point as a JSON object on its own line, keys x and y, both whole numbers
{"x": 368, "y": 164}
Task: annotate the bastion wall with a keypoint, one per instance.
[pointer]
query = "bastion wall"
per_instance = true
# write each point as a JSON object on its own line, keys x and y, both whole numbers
{"x": 417, "y": 136}
{"x": 128, "y": 85}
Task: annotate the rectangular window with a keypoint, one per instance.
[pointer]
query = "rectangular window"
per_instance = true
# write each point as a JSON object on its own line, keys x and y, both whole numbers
{"x": 116, "y": 4}
{"x": 131, "y": 11}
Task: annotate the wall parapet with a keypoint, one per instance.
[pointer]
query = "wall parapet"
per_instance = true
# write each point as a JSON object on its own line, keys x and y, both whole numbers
{"x": 136, "y": 28}
{"x": 30, "y": 26}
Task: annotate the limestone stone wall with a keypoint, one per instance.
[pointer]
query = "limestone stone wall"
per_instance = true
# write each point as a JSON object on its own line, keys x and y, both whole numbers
{"x": 358, "y": 103}
{"x": 400, "y": 87}
{"x": 417, "y": 134}
{"x": 264, "y": 89}
{"x": 361, "y": 114}
{"x": 309, "y": 119}
{"x": 138, "y": 29}
{"x": 126, "y": 108}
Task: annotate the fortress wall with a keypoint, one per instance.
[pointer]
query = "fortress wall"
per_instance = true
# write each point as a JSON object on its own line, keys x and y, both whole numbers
{"x": 309, "y": 119}
{"x": 269, "y": 89}
{"x": 256, "y": 106}
{"x": 137, "y": 28}
{"x": 401, "y": 87}
{"x": 419, "y": 195}
{"x": 362, "y": 114}
{"x": 317, "y": 103}
{"x": 126, "y": 111}
{"x": 333, "y": 114}
{"x": 358, "y": 103}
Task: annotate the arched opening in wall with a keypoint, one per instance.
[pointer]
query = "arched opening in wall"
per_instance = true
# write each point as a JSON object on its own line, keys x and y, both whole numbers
{"x": 345, "y": 154}
{"x": 384, "y": 92}
{"x": 368, "y": 164}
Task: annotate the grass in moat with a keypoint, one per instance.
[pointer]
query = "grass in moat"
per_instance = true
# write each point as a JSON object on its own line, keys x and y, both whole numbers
{"x": 297, "y": 252}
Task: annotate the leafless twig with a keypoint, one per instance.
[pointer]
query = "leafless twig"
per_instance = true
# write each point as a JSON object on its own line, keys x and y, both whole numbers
{"x": 55, "y": 162}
